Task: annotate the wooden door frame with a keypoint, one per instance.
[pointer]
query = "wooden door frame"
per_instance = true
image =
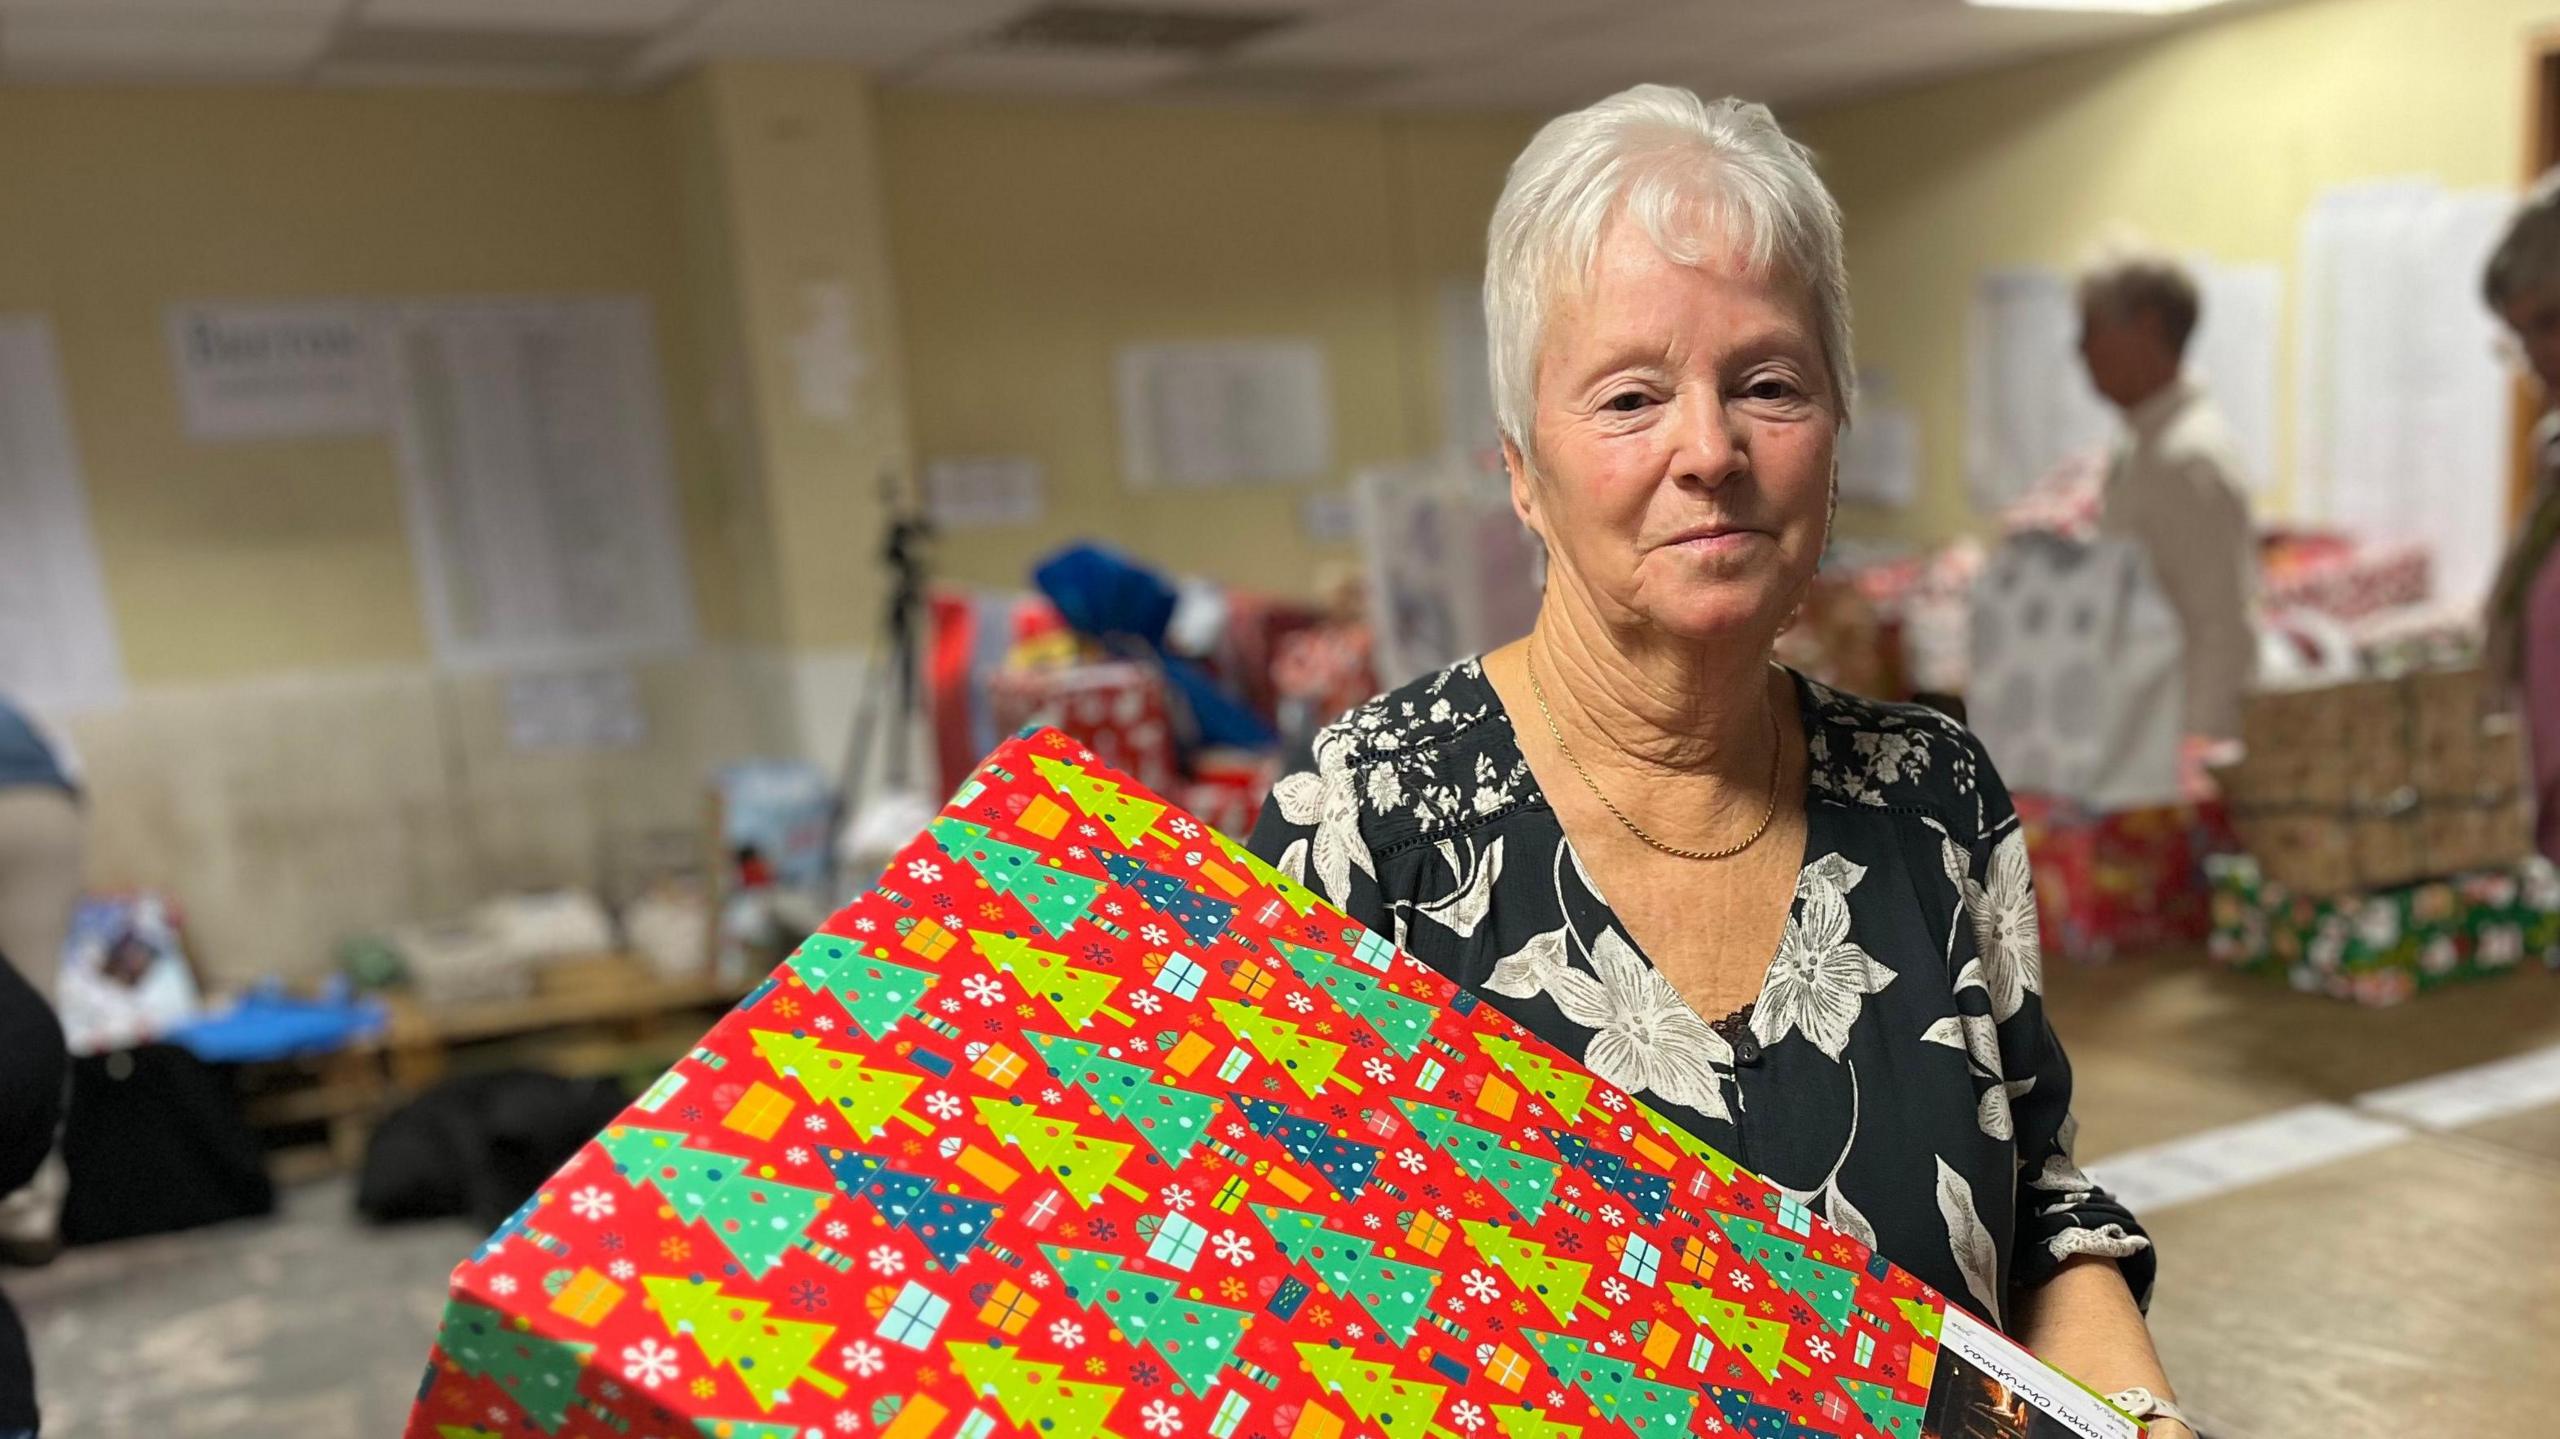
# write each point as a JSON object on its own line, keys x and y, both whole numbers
{"x": 2541, "y": 152}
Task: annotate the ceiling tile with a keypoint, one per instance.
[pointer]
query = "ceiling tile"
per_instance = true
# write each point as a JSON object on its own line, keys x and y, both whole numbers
{"x": 64, "y": 44}
{"x": 1051, "y": 72}
{"x": 626, "y": 16}
{"x": 177, "y": 10}
{"x": 1408, "y": 32}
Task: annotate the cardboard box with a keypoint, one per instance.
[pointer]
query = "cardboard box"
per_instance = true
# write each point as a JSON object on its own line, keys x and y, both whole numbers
{"x": 2379, "y": 783}
{"x": 998, "y": 1206}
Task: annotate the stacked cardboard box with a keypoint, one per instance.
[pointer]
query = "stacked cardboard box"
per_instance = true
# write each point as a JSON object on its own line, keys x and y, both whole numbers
{"x": 2380, "y": 783}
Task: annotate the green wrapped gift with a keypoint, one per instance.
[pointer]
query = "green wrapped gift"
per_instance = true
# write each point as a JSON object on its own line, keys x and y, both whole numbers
{"x": 2381, "y": 946}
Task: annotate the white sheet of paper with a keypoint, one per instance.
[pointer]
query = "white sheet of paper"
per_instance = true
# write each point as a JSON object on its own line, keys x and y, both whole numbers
{"x": 2029, "y": 407}
{"x": 541, "y": 505}
{"x": 58, "y": 649}
{"x": 1452, "y": 571}
{"x": 984, "y": 491}
{"x": 277, "y": 371}
{"x": 1224, "y": 413}
{"x": 828, "y": 365}
{"x": 2402, "y": 406}
{"x": 575, "y": 709}
{"x": 2233, "y": 356}
{"x": 1880, "y": 456}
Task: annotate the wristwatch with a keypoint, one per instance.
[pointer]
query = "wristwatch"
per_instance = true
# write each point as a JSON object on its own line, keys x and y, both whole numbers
{"x": 2148, "y": 1407}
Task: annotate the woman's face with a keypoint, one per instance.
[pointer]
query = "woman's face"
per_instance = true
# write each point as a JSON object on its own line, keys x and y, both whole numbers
{"x": 2535, "y": 319}
{"x": 1683, "y": 437}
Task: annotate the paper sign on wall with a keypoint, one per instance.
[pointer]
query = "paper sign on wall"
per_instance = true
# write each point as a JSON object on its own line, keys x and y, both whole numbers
{"x": 1224, "y": 413}
{"x": 980, "y": 492}
{"x": 57, "y": 639}
{"x": 1880, "y": 454}
{"x": 276, "y": 371}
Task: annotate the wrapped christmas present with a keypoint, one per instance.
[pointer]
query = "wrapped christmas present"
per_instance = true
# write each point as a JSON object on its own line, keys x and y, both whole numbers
{"x": 2122, "y": 883}
{"x": 2381, "y": 946}
{"x": 1841, "y": 640}
{"x": 1119, "y": 708}
{"x": 2340, "y": 577}
{"x": 1087, "y": 1123}
{"x": 2077, "y": 686}
{"x": 2378, "y": 783}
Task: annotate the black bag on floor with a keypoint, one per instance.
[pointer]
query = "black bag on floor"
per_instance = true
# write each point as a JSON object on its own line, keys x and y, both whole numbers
{"x": 155, "y": 1142}
{"x": 479, "y": 1145}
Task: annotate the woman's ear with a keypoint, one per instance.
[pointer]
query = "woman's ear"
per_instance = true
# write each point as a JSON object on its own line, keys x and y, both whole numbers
{"x": 1524, "y": 490}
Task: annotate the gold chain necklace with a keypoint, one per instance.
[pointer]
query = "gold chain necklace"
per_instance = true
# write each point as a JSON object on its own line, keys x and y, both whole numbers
{"x": 1768, "y": 812}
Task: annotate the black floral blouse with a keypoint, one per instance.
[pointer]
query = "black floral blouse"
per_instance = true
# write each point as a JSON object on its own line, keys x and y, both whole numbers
{"x": 1896, "y": 1072}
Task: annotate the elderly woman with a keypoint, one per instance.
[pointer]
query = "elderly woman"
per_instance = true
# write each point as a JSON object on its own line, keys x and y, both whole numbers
{"x": 2523, "y": 287}
{"x": 1631, "y": 818}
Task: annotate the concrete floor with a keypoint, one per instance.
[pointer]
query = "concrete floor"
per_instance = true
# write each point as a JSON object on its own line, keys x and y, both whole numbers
{"x": 2411, "y": 1289}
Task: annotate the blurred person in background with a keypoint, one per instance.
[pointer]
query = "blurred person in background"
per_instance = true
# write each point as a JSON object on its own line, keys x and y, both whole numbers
{"x": 40, "y": 831}
{"x": 2522, "y": 287}
{"x": 2174, "y": 483}
{"x": 1798, "y": 884}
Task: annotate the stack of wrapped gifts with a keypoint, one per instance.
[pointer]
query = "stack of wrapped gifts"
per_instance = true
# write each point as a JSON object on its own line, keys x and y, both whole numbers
{"x": 1087, "y": 1123}
{"x": 2389, "y": 836}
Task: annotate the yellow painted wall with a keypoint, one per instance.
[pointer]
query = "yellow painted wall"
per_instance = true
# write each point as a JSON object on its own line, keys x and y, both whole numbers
{"x": 2214, "y": 139}
{"x": 239, "y": 558}
{"x": 1032, "y": 241}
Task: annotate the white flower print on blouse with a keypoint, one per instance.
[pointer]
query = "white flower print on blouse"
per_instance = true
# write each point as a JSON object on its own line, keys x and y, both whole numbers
{"x": 1820, "y": 980}
{"x": 1646, "y": 1039}
{"x": 2005, "y": 932}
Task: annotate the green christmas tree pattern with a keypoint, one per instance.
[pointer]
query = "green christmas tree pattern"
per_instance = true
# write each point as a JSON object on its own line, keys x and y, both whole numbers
{"x": 875, "y": 992}
{"x": 1202, "y": 917}
{"x": 1126, "y": 816}
{"x": 1890, "y": 1416}
{"x": 1292, "y": 892}
{"x": 1311, "y": 1063}
{"x": 1076, "y": 994}
{"x": 1402, "y": 1023}
{"x": 1517, "y": 1422}
{"x": 758, "y": 1219}
{"x": 1395, "y": 1293}
{"x": 1198, "y": 1340}
{"x": 1400, "y": 1408}
{"x": 540, "y": 1375}
{"x": 745, "y": 1429}
{"x": 1698, "y": 1149}
{"x": 1929, "y": 1319}
{"x": 1347, "y": 1163}
{"x": 1526, "y": 1180}
{"x": 1830, "y": 1290}
{"x": 1055, "y": 897}
{"x": 1033, "y": 1395}
{"x": 866, "y": 1098}
{"x": 1085, "y": 1167}
{"x": 1171, "y": 1120}
{"x": 1761, "y": 1343}
{"x": 1564, "y": 1090}
{"x": 769, "y": 1355}
{"x": 1557, "y": 1283}
{"x": 1653, "y": 1410}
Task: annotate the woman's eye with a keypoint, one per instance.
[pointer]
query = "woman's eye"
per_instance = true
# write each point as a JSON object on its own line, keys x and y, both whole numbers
{"x": 1628, "y": 402}
{"x": 1771, "y": 389}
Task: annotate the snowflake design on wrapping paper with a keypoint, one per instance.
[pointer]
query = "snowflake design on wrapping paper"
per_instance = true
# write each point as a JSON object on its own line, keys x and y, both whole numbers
{"x": 1412, "y": 1161}
{"x": 1614, "y": 1290}
{"x": 1610, "y": 1216}
{"x": 1467, "y": 1416}
{"x": 1103, "y": 1229}
{"x": 864, "y": 926}
{"x": 1066, "y": 1334}
{"x": 1025, "y": 1010}
{"x": 862, "y": 1359}
{"x": 1739, "y": 1279}
{"x": 1175, "y": 1197}
{"x": 787, "y": 1007}
{"x": 592, "y": 1203}
{"x": 1820, "y": 1348}
{"x": 1356, "y": 1330}
{"x": 885, "y": 1260}
{"x": 983, "y": 989}
{"x": 796, "y": 1155}
{"x": 497, "y": 1415}
{"x": 1231, "y": 1288}
{"x": 1112, "y": 908}
{"x": 1145, "y": 1375}
{"x": 1183, "y": 828}
{"x": 612, "y": 1241}
{"x": 1154, "y": 934}
{"x": 847, "y": 1421}
{"x": 1300, "y": 1002}
{"x": 838, "y": 1229}
{"x": 1232, "y": 1247}
{"x": 1479, "y": 1285}
{"x": 1097, "y": 953}
{"x": 703, "y": 1388}
{"x": 1370, "y": 1220}
{"x": 1097, "y": 1366}
{"x": 1052, "y": 1095}
{"x": 622, "y": 1269}
{"x": 991, "y": 910}
{"x": 1161, "y": 1418}
{"x": 1379, "y": 1071}
{"x": 823, "y": 1024}
{"x": 649, "y": 1363}
{"x": 503, "y": 1285}
{"x": 1235, "y": 1131}
{"x": 808, "y": 1296}
{"x": 1145, "y": 1001}
{"x": 815, "y": 1124}
{"x": 675, "y": 1250}
{"x": 924, "y": 871}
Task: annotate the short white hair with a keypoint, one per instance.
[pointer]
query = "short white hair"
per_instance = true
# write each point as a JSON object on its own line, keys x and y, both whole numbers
{"x": 1695, "y": 175}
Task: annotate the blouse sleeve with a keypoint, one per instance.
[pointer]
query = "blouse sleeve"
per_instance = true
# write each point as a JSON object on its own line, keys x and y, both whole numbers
{"x": 2060, "y": 1211}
